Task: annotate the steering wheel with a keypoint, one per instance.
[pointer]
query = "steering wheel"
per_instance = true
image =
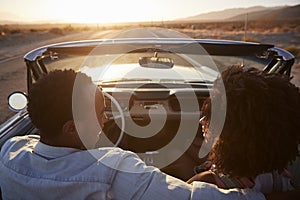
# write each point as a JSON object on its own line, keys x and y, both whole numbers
{"x": 114, "y": 117}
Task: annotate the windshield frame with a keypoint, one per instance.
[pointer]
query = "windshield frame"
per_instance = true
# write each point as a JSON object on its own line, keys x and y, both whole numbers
{"x": 279, "y": 60}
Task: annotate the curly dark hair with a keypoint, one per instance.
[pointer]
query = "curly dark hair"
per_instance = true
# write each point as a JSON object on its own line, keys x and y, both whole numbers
{"x": 262, "y": 124}
{"x": 50, "y": 101}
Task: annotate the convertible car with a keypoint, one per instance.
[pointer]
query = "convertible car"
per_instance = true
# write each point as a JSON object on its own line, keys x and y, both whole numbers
{"x": 154, "y": 88}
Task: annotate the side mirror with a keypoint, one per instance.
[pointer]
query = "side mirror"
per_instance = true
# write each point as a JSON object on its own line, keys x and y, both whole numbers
{"x": 17, "y": 101}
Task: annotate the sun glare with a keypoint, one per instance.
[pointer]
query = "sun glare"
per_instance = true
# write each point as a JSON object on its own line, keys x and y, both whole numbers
{"x": 95, "y": 11}
{"x": 110, "y": 11}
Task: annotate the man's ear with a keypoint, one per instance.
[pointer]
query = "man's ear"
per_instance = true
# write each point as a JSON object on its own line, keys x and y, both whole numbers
{"x": 69, "y": 127}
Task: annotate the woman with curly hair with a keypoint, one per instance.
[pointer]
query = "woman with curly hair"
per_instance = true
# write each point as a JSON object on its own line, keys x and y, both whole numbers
{"x": 260, "y": 135}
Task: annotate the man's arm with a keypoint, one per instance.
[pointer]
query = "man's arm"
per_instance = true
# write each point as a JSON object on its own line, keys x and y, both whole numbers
{"x": 135, "y": 180}
{"x": 211, "y": 191}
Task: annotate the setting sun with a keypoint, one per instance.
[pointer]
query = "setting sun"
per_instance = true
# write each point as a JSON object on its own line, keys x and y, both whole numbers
{"x": 104, "y": 11}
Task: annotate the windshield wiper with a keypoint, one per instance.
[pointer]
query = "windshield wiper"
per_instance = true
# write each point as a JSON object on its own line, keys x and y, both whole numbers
{"x": 143, "y": 80}
{"x": 122, "y": 80}
{"x": 200, "y": 82}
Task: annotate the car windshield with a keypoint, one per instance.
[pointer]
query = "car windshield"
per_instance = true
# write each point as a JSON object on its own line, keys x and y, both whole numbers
{"x": 172, "y": 67}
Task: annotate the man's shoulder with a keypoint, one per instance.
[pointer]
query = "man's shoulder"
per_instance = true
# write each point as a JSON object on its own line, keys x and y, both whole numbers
{"x": 120, "y": 159}
{"x": 22, "y": 140}
{"x": 112, "y": 152}
{"x": 19, "y": 142}
{"x": 25, "y": 138}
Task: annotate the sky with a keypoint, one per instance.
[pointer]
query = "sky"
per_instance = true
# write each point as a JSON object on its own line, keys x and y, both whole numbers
{"x": 108, "y": 11}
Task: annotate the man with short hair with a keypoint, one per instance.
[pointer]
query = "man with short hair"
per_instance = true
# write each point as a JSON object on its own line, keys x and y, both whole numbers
{"x": 62, "y": 163}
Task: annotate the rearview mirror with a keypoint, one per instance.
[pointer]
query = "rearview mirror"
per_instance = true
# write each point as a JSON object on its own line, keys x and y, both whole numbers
{"x": 156, "y": 62}
{"x": 17, "y": 101}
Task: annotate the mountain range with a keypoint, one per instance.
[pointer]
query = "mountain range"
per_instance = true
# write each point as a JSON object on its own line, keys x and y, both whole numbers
{"x": 252, "y": 13}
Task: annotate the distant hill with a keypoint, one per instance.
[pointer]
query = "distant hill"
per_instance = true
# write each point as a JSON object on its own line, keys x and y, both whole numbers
{"x": 224, "y": 14}
{"x": 254, "y": 13}
{"x": 8, "y": 18}
{"x": 284, "y": 13}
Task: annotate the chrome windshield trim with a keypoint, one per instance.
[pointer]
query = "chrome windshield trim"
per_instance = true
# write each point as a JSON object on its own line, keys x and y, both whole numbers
{"x": 217, "y": 47}
{"x": 286, "y": 56}
{"x": 34, "y": 54}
